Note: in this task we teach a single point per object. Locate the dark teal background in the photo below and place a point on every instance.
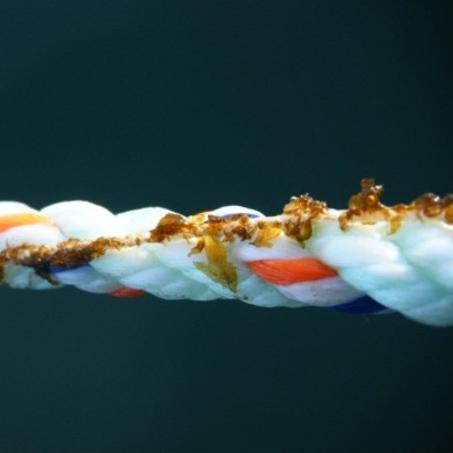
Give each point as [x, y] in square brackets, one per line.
[193, 105]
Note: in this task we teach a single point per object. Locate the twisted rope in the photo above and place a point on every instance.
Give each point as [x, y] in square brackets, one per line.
[369, 258]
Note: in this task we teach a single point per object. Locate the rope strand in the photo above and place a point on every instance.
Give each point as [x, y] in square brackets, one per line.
[369, 258]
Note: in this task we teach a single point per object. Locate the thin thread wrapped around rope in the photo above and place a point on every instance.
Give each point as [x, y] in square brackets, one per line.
[369, 258]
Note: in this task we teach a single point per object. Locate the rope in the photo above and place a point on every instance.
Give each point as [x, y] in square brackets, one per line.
[369, 258]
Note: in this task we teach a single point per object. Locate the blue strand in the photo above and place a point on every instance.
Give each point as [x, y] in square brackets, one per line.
[59, 269]
[250, 216]
[361, 306]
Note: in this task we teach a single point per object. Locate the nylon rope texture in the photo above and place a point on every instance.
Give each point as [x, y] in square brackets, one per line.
[366, 259]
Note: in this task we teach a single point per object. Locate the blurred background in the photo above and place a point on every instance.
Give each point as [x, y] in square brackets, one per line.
[192, 105]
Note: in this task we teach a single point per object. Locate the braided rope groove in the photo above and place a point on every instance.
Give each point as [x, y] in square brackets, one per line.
[366, 259]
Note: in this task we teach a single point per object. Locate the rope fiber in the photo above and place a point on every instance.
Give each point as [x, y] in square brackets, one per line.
[368, 258]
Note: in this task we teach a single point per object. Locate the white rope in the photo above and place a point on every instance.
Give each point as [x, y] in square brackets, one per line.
[367, 259]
